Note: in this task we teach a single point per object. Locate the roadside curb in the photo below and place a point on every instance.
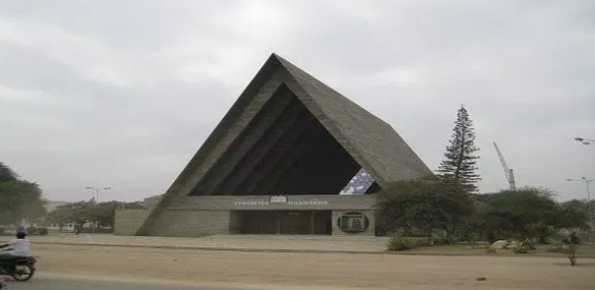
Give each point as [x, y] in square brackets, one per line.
[213, 248]
[507, 255]
[314, 251]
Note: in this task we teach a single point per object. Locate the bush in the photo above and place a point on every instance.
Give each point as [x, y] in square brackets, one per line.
[521, 250]
[572, 241]
[398, 243]
[572, 253]
[42, 231]
[442, 240]
[31, 230]
[524, 246]
[556, 249]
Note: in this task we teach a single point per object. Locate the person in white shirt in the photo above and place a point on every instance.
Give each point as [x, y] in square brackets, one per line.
[20, 247]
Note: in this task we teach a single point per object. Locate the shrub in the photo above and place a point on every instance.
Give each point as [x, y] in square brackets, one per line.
[442, 240]
[521, 250]
[31, 230]
[572, 241]
[556, 249]
[398, 243]
[42, 231]
[572, 253]
[424, 241]
[524, 246]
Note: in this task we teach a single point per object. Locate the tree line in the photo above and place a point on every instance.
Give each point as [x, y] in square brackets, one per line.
[448, 202]
[22, 201]
[84, 212]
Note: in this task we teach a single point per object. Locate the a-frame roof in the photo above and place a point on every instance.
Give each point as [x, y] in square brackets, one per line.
[371, 142]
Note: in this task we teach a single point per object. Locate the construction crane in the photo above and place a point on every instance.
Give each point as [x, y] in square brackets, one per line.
[507, 171]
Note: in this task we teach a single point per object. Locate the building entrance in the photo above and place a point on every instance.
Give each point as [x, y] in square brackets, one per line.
[286, 222]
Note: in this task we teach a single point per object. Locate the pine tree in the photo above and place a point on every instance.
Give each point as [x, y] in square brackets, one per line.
[460, 164]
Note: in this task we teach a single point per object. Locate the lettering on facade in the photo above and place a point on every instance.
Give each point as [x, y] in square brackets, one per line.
[251, 203]
[292, 203]
[308, 202]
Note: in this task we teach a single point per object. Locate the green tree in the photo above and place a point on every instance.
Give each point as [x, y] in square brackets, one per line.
[528, 213]
[104, 213]
[78, 213]
[573, 214]
[19, 200]
[84, 212]
[422, 206]
[6, 174]
[460, 163]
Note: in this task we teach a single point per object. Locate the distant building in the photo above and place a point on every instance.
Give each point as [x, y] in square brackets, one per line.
[291, 156]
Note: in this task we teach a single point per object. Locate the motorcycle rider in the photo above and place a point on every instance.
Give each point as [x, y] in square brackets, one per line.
[20, 247]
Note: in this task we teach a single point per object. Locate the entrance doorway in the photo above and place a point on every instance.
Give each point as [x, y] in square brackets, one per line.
[285, 222]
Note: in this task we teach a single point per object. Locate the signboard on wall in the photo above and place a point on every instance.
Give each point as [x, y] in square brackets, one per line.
[278, 199]
[353, 222]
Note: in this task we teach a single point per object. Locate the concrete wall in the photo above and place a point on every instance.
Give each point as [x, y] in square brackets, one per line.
[191, 223]
[127, 221]
[195, 216]
[368, 213]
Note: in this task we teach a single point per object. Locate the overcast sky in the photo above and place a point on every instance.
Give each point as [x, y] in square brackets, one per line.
[123, 93]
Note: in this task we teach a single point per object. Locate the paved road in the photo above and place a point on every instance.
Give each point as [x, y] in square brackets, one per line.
[47, 282]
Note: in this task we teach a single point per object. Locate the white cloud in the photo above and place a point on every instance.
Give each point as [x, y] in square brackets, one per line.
[142, 80]
[22, 96]
[92, 58]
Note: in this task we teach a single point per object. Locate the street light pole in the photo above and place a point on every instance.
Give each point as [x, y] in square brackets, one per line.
[587, 183]
[587, 141]
[588, 186]
[97, 189]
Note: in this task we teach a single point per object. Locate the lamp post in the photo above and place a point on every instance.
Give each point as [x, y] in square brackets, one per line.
[97, 189]
[587, 184]
[585, 141]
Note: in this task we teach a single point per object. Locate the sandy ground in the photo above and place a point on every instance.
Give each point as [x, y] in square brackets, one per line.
[383, 271]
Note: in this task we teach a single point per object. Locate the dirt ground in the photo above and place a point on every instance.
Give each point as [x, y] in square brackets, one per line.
[366, 271]
[584, 251]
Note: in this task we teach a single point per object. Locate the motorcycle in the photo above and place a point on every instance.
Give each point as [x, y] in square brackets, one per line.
[19, 268]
